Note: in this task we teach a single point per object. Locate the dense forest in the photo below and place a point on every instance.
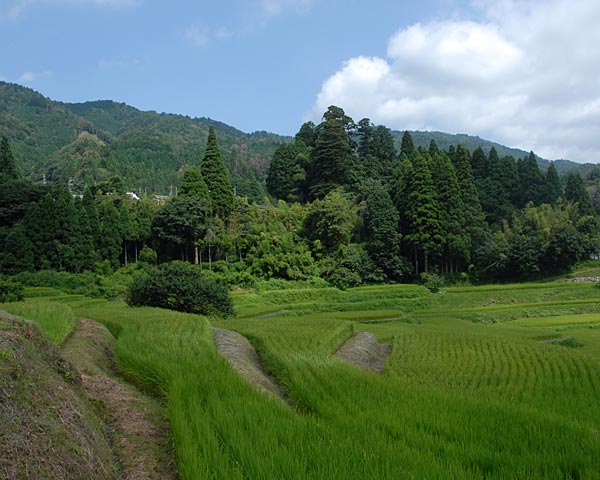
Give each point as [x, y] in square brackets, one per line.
[346, 207]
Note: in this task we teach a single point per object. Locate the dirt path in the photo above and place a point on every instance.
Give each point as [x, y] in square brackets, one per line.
[243, 358]
[365, 351]
[138, 432]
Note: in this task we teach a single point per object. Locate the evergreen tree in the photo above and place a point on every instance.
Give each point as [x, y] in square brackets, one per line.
[193, 184]
[307, 134]
[479, 164]
[111, 238]
[433, 148]
[93, 218]
[216, 177]
[532, 185]
[575, 192]
[474, 217]
[381, 221]
[553, 186]
[8, 167]
[423, 212]
[331, 160]
[452, 216]
[407, 147]
[286, 175]
[181, 225]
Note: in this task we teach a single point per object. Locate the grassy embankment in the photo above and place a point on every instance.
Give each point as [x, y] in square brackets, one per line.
[470, 390]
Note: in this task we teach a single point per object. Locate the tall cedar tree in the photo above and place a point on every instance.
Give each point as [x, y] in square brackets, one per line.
[532, 185]
[452, 215]
[553, 186]
[575, 192]
[193, 184]
[331, 160]
[423, 212]
[8, 167]
[473, 212]
[286, 174]
[407, 147]
[381, 224]
[216, 178]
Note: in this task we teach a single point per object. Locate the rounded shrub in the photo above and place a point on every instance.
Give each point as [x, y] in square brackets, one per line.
[179, 286]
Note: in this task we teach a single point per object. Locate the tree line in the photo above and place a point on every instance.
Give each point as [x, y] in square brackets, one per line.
[345, 206]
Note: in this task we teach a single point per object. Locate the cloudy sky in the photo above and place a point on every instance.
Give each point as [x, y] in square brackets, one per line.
[525, 73]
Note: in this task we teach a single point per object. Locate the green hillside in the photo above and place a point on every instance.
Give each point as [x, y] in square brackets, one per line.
[92, 141]
[470, 142]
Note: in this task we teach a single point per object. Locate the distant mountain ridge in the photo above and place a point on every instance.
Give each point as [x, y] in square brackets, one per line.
[92, 141]
[471, 142]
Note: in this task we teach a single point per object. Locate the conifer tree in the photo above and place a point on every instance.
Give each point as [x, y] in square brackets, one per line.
[8, 167]
[479, 164]
[474, 217]
[423, 212]
[452, 214]
[331, 161]
[407, 147]
[575, 192]
[553, 186]
[532, 185]
[193, 184]
[216, 177]
[381, 224]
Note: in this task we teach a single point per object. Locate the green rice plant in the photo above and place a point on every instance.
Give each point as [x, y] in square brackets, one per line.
[458, 399]
[54, 319]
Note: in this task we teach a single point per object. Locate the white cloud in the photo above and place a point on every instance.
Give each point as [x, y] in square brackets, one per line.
[106, 64]
[271, 8]
[527, 75]
[27, 77]
[197, 36]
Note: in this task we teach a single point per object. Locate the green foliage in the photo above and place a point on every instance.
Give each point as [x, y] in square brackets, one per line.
[331, 158]
[575, 192]
[148, 256]
[179, 286]
[330, 222]
[432, 281]
[287, 174]
[193, 184]
[216, 177]
[11, 292]
[8, 166]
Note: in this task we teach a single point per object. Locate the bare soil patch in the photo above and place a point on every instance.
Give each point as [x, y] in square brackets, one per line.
[138, 432]
[243, 358]
[363, 350]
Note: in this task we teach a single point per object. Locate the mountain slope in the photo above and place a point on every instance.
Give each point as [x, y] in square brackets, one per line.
[95, 140]
[470, 142]
[92, 141]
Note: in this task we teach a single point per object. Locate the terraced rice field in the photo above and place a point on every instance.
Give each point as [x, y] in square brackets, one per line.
[476, 385]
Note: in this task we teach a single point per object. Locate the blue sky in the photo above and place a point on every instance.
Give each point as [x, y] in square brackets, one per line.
[475, 66]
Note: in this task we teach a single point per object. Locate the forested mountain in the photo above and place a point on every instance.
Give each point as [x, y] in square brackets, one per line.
[471, 143]
[351, 207]
[92, 141]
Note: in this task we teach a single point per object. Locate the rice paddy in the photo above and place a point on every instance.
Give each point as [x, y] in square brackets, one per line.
[475, 387]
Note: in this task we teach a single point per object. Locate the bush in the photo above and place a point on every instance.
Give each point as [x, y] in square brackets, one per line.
[432, 281]
[11, 292]
[179, 286]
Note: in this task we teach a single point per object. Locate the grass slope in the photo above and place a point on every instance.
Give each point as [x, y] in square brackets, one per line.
[459, 399]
